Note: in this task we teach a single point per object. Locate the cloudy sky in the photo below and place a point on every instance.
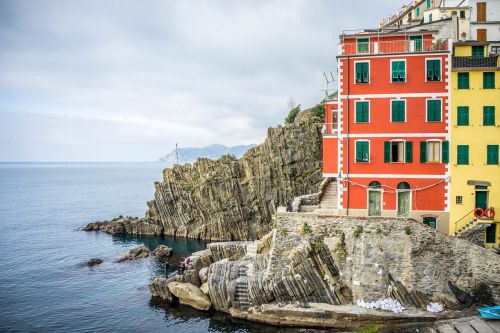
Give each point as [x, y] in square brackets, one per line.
[96, 80]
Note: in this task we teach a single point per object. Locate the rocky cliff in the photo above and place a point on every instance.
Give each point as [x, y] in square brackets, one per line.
[230, 198]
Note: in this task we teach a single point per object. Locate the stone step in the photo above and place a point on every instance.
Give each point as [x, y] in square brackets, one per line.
[463, 327]
[445, 328]
[480, 326]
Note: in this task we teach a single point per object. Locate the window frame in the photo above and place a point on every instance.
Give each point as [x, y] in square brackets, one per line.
[403, 143]
[493, 81]
[360, 62]
[356, 151]
[390, 72]
[485, 123]
[492, 162]
[356, 111]
[427, 110]
[466, 74]
[439, 143]
[459, 107]
[440, 70]
[357, 45]
[459, 200]
[405, 112]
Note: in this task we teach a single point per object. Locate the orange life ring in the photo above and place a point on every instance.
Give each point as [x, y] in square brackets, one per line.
[480, 211]
[490, 213]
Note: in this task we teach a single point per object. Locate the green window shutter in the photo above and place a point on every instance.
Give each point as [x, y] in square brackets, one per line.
[418, 11]
[434, 110]
[409, 152]
[362, 112]
[366, 72]
[488, 115]
[433, 70]
[462, 154]
[489, 80]
[462, 14]
[428, 4]
[492, 154]
[362, 72]
[362, 151]
[359, 153]
[398, 111]
[423, 151]
[398, 71]
[463, 80]
[491, 233]
[478, 51]
[363, 45]
[359, 72]
[463, 116]
[387, 151]
[445, 150]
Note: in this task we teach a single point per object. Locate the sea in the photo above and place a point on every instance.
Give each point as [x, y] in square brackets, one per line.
[44, 284]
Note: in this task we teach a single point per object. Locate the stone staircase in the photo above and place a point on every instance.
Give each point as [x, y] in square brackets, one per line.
[467, 325]
[241, 294]
[473, 231]
[252, 249]
[329, 200]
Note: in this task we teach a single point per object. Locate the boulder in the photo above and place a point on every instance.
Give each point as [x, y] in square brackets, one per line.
[162, 253]
[134, 253]
[190, 295]
[204, 288]
[203, 274]
[159, 289]
[93, 262]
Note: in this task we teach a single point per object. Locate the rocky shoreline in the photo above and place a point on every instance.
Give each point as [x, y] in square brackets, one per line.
[318, 278]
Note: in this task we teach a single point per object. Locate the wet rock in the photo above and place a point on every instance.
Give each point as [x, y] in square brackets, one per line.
[135, 253]
[159, 289]
[93, 262]
[190, 295]
[162, 253]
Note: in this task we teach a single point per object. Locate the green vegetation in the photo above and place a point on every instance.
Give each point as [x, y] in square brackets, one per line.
[408, 230]
[306, 228]
[292, 115]
[379, 231]
[369, 329]
[341, 247]
[358, 231]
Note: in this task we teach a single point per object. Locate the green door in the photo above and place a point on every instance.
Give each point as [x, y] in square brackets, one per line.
[430, 221]
[403, 203]
[482, 199]
[418, 42]
[374, 203]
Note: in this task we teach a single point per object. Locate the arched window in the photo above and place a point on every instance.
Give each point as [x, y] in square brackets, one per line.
[403, 186]
[374, 185]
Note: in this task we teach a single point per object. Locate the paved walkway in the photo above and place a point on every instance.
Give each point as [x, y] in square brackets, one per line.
[473, 324]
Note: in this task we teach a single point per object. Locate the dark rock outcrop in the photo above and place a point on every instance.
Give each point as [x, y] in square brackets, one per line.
[230, 198]
[162, 253]
[93, 262]
[135, 253]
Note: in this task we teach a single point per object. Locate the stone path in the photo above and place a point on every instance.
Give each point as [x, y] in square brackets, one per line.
[329, 197]
[241, 294]
[468, 325]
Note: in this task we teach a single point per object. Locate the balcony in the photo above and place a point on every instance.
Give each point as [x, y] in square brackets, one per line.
[475, 62]
[385, 47]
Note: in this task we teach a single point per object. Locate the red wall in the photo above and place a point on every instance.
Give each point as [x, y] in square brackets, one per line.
[330, 157]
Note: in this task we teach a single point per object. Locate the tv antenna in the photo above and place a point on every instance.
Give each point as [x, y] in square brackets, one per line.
[328, 79]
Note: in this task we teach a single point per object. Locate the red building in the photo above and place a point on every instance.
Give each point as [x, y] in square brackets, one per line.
[386, 137]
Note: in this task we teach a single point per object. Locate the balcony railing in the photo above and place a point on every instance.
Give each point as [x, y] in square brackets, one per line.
[470, 62]
[403, 46]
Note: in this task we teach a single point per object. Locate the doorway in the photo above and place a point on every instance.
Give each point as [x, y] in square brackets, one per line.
[374, 199]
[430, 221]
[404, 203]
[482, 199]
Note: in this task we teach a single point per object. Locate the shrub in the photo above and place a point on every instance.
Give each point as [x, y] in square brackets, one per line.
[292, 115]
[408, 230]
[306, 228]
[358, 231]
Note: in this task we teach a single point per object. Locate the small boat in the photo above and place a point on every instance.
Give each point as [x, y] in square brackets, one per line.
[492, 312]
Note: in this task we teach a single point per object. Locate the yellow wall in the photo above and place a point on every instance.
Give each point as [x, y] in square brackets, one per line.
[477, 137]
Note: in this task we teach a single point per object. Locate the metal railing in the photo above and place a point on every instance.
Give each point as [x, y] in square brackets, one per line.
[403, 46]
[468, 62]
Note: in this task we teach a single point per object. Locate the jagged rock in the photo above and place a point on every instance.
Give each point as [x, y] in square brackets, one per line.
[229, 198]
[190, 295]
[135, 253]
[162, 253]
[93, 262]
[159, 289]
[203, 274]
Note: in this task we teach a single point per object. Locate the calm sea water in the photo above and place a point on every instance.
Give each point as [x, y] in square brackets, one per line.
[43, 285]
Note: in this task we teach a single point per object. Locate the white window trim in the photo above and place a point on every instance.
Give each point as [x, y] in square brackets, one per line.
[404, 150]
[440, 66]
[369, 41]
[440, 150]
[427, 110]
[355, 110]
[381, 190]
[406, 71]
[397, 202]
[356, 150]
[369, 71]
[390, 116]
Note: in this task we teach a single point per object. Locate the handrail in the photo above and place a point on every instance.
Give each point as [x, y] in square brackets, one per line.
[460, 219]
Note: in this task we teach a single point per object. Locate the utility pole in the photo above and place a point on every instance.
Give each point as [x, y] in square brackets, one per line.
[176, 153]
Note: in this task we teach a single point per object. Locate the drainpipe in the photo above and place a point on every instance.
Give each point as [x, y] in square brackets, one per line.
[348, 130]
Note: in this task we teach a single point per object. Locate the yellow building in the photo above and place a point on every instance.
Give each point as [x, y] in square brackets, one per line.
[475, 139]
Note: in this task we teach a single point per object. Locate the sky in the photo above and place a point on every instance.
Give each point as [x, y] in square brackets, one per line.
[122, 80]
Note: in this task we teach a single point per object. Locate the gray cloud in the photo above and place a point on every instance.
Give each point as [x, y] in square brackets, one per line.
[125, 80]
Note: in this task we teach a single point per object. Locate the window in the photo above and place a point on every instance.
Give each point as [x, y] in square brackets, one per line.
[417, 43]
[481, 35]
[488, 116]
[489, 80]
[462, 154]
[362, 151]
[428, 4]
[398, 70]
[430, 17]
[491, 231]
[398, 111]
[463, 80]
[409, 16]
[481, 11]
[434, 151]
[362, 111]
[433, 110]
[418, 11]
[495, 50]
[492, 154]
[363, 45]
[463, 116]
[433, 69]
[362, 72]
[462, 14]
[459, 199]
[478, 51]
[398, 151]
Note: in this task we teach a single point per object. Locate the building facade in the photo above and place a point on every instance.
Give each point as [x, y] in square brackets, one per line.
[391, 140]
[475, 139]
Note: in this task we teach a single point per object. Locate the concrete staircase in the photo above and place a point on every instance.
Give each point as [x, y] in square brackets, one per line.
[241, 294]
[329, 201]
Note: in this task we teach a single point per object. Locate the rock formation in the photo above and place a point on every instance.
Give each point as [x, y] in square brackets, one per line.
[134, 253]
[190, 295]
[229, 198]
[162, 253]
[93, 262]
[316, 276]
